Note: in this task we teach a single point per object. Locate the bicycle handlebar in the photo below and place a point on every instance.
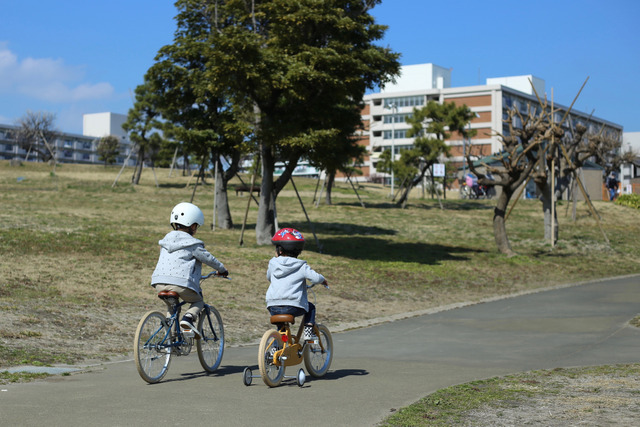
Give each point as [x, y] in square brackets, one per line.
[313, 284]
[215, 274]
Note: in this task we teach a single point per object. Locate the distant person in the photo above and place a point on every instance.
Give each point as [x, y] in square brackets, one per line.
[612, 185]
[288, 275]
[179, 267]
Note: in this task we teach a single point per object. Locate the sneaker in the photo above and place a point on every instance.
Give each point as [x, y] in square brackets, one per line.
[308, 334]
[187, 324]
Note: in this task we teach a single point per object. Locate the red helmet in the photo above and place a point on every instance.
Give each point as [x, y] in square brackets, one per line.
[290, 239]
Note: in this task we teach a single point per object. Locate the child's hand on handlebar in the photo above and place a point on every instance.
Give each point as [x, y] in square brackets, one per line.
[325, 284]
[224, 273]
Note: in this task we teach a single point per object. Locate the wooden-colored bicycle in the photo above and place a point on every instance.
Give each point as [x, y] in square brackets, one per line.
[279, 348]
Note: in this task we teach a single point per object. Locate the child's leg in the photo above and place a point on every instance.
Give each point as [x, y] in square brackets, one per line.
[196, 300]
[160, 288]
[310, 316]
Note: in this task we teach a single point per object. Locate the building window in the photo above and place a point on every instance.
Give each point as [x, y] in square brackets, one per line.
[399, 134]
[404, 101]
[508, 102]
[397, 118]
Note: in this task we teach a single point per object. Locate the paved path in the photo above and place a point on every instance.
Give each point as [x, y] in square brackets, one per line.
[374, 369]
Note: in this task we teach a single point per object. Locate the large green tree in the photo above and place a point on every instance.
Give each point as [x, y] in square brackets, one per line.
[108, 149]
[300, 62]
[143, 124]
[198, 114]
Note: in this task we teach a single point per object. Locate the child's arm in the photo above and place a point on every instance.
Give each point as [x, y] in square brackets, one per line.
[314, 277]
[202, 255]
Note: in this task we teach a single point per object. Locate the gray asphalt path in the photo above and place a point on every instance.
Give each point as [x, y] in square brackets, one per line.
[374, 370]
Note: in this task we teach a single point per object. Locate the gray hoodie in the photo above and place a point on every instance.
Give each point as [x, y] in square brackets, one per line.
[180, 261]
[288, 282]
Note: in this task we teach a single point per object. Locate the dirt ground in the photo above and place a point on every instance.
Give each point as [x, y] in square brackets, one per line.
[589, 400]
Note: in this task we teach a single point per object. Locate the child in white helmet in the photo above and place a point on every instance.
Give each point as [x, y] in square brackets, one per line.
[180, 263]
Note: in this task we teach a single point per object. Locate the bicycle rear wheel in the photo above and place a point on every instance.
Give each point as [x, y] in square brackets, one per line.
[317, 360]
[271, 373]
[151, 347]
[211, 345]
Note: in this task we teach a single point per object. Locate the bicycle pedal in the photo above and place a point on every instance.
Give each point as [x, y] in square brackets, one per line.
[188, 333]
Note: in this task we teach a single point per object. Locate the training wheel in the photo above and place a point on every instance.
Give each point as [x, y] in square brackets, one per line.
[247, 376]
[301, 378]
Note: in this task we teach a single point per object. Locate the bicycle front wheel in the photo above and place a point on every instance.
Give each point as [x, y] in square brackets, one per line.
[318, 359]
[152, 347]
[211, 345]
[271, 373]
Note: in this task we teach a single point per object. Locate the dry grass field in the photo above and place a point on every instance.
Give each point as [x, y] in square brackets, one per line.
[77, 255]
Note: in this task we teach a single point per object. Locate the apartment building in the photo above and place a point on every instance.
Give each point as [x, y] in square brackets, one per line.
[385, 112]
[75, 148]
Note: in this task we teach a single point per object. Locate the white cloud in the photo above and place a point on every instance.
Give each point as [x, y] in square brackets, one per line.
[47, 79]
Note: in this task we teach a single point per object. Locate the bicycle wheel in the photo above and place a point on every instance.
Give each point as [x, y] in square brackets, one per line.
[270, 343]
[464, 192]
[151, 347]
[211, 345]
[316, 360]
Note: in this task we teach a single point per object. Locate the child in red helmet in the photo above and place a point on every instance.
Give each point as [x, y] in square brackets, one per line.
[287, 293]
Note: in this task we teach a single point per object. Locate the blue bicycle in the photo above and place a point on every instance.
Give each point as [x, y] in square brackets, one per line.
[159, 337]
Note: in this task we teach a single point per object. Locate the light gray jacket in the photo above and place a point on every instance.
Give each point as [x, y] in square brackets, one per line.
[180, 261]
[288, 282]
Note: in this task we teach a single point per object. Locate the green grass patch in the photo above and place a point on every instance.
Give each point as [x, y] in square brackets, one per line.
[7, 377]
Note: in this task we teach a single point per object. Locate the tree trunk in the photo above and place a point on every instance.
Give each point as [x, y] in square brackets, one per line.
[265, 225]
[135, 179]
[499, 223]
[405, 192]
[331, 176]
[222, 201]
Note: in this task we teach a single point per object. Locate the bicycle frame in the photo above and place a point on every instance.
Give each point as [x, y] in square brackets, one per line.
[292, 352]
[172, 325]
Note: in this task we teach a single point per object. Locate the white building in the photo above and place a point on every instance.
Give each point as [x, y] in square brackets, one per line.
[75, 148]
[385, 112]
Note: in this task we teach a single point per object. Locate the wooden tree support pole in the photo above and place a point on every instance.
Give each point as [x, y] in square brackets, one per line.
[215, 193]
[586, 196]
[250, 192]
[316, 191]
[324, 182]
[122, 168]
[173, 162]
[553, 176]
[305, 214]
[515, 201]
[356, 191]
[246, 212]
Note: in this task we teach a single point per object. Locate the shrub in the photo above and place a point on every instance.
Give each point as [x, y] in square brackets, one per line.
[631, 200]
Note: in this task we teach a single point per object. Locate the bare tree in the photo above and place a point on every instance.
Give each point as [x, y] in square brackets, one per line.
[36, 133]
[521, 144]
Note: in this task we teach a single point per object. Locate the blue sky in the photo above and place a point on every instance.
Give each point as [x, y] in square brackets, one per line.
[73, 57]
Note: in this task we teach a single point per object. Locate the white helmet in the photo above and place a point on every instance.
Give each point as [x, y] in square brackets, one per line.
[186, 214]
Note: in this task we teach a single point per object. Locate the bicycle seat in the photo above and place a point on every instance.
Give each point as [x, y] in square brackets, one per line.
[168, 294]
[282, 318]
